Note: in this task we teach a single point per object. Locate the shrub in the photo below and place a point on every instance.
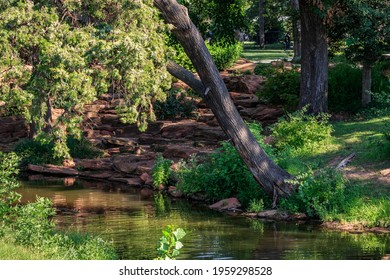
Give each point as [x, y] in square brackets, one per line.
[379, 106]
[8, 183]
[345, 88]
[256, 205]
[41, 150]
[265, 69]
[161, 171]
[221, 175]
[320, 195]
[282, 88]
[31, 225]
[175, 106]
[302, 132]
[381, 77]
[224, 54]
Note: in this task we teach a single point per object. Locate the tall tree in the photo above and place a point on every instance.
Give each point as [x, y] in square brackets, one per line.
[314, 62]
[366, 30]
[213, 90]
[261, 24]
[61, 54]
[296, 23]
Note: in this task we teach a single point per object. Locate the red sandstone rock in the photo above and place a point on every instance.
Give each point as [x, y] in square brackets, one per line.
[226, 204]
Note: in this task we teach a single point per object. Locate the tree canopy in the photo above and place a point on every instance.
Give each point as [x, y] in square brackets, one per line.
[62, 54]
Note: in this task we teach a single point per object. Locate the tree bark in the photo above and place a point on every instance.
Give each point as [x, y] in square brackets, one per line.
[269, 176]
[261, 24]
[366, 85]
[296, 23]
[314, 62]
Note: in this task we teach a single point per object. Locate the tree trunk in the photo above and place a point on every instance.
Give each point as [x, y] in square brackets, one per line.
[48, 115]
[270, 176]
[296, 23]
[366, 85]
[261, 24]
[314, 66]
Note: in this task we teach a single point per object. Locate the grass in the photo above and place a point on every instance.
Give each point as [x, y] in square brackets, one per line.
[270, 52]
[9, 251]
[363, 137]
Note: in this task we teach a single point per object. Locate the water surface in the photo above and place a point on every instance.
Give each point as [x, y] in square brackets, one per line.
[134, 223]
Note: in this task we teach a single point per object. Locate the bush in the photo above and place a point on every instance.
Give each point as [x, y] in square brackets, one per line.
[224, 54]
[381, 77]
[320, 195]
[8, 183]
[175, 106]
[266, 70]
[31, 225]
[161, 171]
[345, 88]
[379, 106]
[41, 150]
[221, 175]
[282, 88]
[302, 132]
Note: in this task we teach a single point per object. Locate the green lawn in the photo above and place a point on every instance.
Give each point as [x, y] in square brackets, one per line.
[270, 52]
[364, 138]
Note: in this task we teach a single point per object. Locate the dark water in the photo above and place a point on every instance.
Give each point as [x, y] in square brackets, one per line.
[134, 224]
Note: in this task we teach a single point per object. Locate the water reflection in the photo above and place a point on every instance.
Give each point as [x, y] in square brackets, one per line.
[134, 223]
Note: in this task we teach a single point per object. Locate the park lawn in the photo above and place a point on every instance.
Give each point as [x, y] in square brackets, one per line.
[270, 52]
[364, 138]
[265, 55]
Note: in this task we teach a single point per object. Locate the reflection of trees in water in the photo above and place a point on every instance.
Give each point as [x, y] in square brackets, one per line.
[298, 243]
[134, 225]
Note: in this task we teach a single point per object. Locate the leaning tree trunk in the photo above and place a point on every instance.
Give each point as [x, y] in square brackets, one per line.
[314, 62]
[213, 90]
[261, 24]
[366, 85]
[296, 23]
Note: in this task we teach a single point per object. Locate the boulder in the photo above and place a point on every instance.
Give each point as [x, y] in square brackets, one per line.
[249, 84]
[94, 164]
[146, 178]
[53, 169]
[244, 100]
[229, 204]
[174, 192]
[146, 193]
[179, 151]
[132, 182]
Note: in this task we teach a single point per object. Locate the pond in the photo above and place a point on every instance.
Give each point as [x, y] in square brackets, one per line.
[133, 221]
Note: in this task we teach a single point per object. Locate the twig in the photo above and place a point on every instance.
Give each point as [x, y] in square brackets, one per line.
[345, 161]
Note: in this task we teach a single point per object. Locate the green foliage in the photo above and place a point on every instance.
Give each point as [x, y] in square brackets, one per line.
[302, 132]
[161, 171]
[319, 195]
[42, 150]
[170, 243]
[175, 106]
[265, 69]
[8, 169]
[282, 88]
[221, 175]
[224, 53]
[220, 18]
[256, 206]
[345, 90]
[61, 55]
[31, 225]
